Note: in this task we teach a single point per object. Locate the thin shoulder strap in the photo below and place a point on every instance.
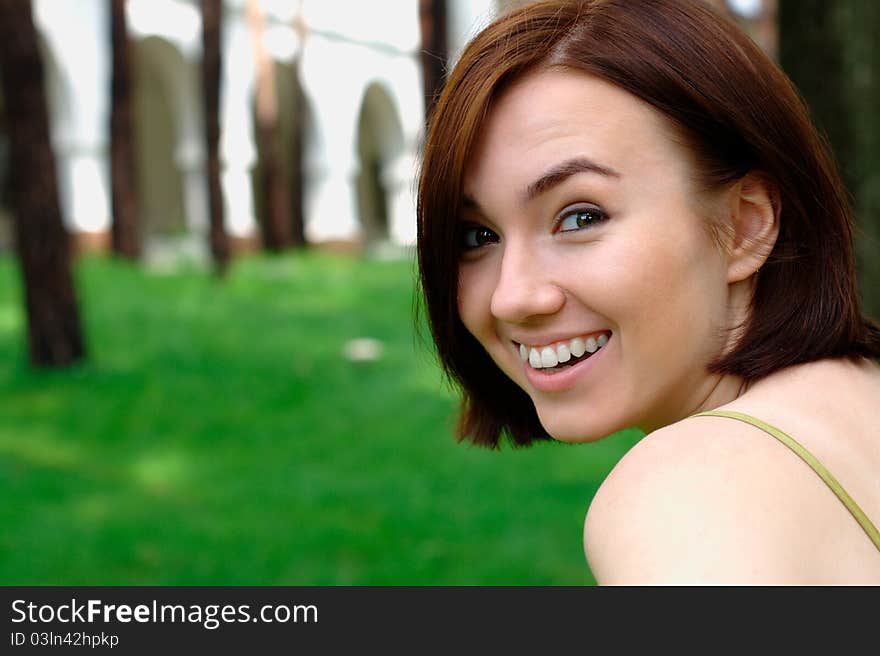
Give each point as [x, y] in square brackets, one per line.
[807, 457]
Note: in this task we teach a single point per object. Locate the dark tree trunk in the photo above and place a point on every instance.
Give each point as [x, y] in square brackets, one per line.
[297, 212]
[811, 52]
[54, 334]
[432, 15]
[861, 24]
[125, 231]
[830, 51]
[211, 27]
[275, 201]
[275, 222]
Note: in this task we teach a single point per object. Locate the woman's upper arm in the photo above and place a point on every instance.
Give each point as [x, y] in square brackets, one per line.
[682, 508]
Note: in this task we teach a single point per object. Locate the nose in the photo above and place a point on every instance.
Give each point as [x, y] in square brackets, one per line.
[524, 289]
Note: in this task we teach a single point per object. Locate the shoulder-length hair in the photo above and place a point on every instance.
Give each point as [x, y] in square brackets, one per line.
[734, 109]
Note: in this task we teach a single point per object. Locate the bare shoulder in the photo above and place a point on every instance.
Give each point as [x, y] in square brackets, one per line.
[699, 501]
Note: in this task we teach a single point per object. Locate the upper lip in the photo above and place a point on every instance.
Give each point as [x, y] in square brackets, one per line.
[545, 339]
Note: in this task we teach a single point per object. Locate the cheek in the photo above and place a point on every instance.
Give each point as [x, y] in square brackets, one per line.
[474, 300]
[661, 290]
[658, 319]
[476, 286]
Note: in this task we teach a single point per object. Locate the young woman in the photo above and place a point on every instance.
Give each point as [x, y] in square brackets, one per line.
[626, 219]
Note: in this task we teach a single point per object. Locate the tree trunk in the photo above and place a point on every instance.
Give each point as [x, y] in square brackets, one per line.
[810, 51]
[861, 24]
[211, 26]
[432, 15]
[54, 334]
[829, 49]
[297, 211]
[125, 231]
[276, 223]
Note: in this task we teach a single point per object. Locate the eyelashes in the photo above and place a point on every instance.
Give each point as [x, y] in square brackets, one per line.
[571, 219]
[476, 236]
[580, 218]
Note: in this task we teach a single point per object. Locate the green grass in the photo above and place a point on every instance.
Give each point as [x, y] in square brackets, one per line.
[217, 436]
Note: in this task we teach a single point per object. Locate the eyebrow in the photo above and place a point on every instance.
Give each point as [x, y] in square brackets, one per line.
[560, 172]
[553, 176]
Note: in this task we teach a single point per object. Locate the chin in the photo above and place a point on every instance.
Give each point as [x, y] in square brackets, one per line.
[575, 431]
[579, 422]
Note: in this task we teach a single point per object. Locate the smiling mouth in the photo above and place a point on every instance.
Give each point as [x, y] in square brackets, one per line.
[559, 356]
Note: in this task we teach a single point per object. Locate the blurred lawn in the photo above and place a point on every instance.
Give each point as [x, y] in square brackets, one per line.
[217, 436]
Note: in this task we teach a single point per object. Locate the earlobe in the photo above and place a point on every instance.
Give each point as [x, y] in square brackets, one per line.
[754, 218]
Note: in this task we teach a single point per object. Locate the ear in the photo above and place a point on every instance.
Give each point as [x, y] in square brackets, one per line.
[754, 216]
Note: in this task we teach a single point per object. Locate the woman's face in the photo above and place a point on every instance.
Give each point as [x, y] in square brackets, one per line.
[583, 238]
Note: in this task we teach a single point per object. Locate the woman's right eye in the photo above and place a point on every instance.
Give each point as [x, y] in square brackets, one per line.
[474, 236]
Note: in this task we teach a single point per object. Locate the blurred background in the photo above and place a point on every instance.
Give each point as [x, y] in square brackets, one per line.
[211, 371]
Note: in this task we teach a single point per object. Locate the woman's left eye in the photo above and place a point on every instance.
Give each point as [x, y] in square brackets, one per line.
[579, 218]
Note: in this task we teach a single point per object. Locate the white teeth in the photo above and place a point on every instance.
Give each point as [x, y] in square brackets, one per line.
[535, 359]
[550, 356]
[563, 354]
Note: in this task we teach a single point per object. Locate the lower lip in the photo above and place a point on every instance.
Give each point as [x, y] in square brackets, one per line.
[564, 379]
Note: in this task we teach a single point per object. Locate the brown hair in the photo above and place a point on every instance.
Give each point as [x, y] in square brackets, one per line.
[735, 110]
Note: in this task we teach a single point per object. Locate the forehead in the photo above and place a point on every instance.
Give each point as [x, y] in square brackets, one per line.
[552, 115]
